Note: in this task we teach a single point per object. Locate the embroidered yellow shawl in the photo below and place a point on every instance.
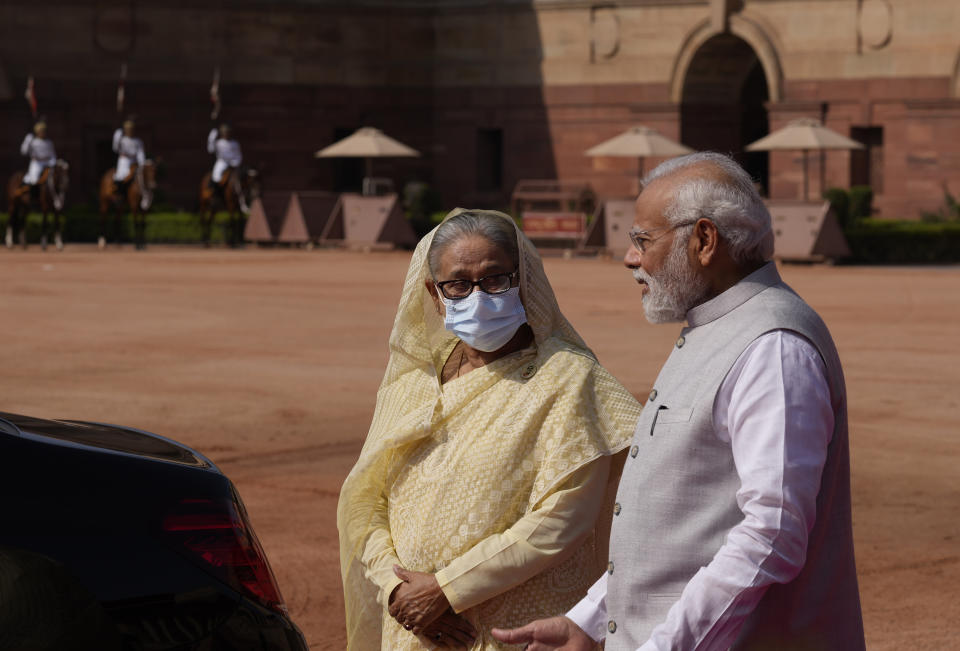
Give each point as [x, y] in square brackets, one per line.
[458, 462]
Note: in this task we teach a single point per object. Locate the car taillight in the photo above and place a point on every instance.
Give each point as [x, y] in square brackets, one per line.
[219, 535]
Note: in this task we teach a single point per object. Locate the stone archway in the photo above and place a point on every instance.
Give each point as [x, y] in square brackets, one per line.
[741, 26]
[723, 102]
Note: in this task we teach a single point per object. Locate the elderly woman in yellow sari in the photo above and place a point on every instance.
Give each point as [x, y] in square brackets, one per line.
[482, 495]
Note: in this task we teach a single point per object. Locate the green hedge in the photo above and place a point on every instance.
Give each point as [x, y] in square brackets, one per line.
[850, 206]
[888, 241]
[840, 201]
[162, 227]
[861, 203]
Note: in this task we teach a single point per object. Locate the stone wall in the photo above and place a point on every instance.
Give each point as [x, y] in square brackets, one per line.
[551, 77]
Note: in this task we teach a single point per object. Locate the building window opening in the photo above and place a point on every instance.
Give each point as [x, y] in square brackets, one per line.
[866, 165]
[348, 173]
[489, 160]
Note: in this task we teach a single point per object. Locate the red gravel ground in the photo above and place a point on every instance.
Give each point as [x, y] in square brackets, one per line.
[268, 362]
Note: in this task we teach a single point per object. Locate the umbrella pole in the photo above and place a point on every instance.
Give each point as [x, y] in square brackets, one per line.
[823, 171]
[367, 177]
[806, 183]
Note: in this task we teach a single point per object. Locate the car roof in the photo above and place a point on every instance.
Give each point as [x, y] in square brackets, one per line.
[108, 438]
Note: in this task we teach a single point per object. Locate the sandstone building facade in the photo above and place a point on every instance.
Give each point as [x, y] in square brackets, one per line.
[494, 91]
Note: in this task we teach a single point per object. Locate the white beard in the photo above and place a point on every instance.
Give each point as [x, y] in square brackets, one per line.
[675, 289]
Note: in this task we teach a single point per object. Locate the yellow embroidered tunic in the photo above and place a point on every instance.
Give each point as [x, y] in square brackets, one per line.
[499, 482]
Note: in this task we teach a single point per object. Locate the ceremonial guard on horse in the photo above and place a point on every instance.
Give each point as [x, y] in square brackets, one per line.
[131, 182]
[229, 158]
[227, 182]
[130, 155]
[45, 181]
[42, 154]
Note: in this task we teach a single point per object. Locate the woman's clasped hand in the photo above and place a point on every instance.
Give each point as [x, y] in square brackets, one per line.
[419, 605]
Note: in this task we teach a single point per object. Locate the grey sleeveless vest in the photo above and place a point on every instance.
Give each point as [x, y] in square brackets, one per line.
[677, 496]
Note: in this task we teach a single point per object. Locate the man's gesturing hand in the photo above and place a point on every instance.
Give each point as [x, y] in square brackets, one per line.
[418, 601]
[553, 634]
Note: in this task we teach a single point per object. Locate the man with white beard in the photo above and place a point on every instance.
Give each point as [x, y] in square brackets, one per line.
[732, 526]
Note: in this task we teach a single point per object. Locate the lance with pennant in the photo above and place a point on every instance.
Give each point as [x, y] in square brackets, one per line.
[121, 90]
[215, 94]
[31, 97]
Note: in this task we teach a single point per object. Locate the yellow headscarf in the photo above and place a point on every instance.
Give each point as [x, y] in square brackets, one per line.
[410, 400]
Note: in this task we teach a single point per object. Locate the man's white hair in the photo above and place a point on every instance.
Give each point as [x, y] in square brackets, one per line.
[728, 199]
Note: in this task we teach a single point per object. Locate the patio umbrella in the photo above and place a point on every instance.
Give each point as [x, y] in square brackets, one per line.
[804, 134]
[639, 142]
[367, 143]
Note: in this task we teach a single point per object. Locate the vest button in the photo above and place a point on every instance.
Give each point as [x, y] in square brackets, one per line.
[680, 342]
[653, 395]
[634, 451]
[610, 567]
[616, 508]
[612, 626]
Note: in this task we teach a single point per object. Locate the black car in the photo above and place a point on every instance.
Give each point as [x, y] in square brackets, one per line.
[113, 538]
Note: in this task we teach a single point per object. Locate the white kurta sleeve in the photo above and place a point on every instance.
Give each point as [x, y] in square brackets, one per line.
[774, 409]
[25, 147]
[117, 136]
[590, 613]
[141, 155]
[212, 141]
[532, 544]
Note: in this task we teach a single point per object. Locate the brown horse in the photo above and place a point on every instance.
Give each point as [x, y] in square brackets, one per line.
[235, 192]
[49, 193]
[136, 192]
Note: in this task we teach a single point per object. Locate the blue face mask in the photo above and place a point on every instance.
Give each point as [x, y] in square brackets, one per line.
[485, 321]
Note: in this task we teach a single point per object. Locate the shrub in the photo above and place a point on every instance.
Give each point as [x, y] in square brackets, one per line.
[861, 203]
[840, 201]
[82, 225]
[422, 204]
[888, 241]
[949, 211]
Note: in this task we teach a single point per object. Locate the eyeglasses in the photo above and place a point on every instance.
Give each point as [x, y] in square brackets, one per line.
[641, 239]
[493, 284]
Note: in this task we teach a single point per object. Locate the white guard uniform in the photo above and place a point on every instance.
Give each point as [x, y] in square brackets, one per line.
[227, 151]
[129, 150]
[42, 155]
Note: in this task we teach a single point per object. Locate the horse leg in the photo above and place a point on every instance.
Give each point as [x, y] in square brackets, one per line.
[139, 227]
[21, 228]
[43, 230]
[137, 217]
[208, 226]
[211, 219]
[236, 222]
[206, 221]
[118, 224]
[101, 238]
[135, 225]
[228, 228]
[57, 225]
[11, 223]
